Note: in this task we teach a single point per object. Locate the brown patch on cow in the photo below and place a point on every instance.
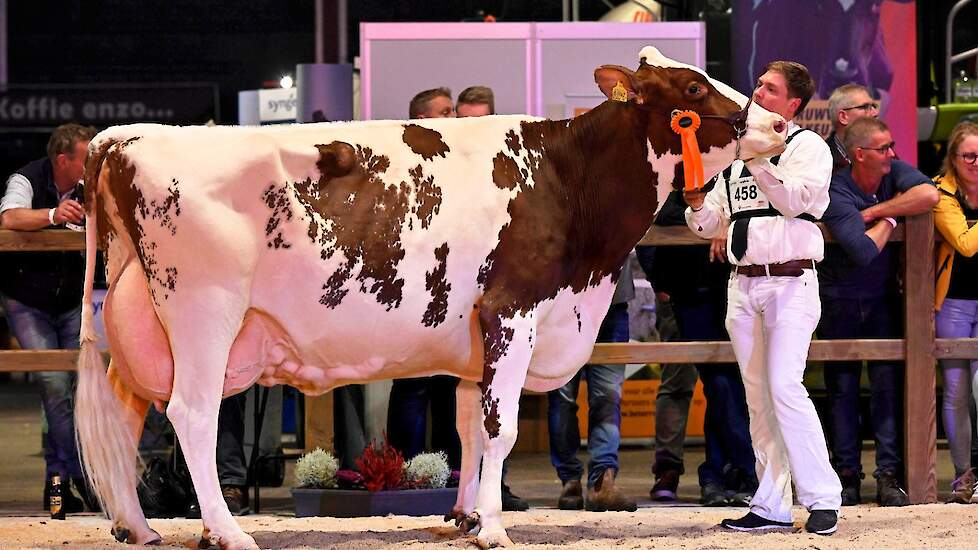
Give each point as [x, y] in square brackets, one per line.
[506, 174]
[424, 141]
[134, 211]
[513, 142]
[582, 214]
[439, 287]
[578, 315]
[352, 209]
[496, 339]
[427, 196]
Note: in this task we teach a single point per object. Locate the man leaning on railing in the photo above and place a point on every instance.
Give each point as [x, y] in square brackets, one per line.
[41, 291]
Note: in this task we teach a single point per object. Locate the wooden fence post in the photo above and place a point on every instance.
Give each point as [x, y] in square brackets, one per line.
[920, 415]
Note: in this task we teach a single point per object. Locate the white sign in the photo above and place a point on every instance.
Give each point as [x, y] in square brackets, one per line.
[276, 105]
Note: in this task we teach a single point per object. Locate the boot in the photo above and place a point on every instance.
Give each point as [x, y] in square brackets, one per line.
[511, 502]
[605, 497]
[851, 481]
[571, 496]
[889, 492]
[963, 488]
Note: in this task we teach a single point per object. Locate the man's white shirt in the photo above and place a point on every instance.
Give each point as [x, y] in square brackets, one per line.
[798, 184]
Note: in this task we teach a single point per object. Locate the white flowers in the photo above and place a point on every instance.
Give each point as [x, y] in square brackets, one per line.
[317, 470]
[427, 471]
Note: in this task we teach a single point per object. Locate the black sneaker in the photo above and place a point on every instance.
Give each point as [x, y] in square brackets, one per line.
[889, 492]
[822, 522]
[712, 494]
[754, 522]
[851, 481]
[511, 502]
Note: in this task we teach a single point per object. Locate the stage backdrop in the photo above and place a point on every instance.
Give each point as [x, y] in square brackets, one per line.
[869, 42]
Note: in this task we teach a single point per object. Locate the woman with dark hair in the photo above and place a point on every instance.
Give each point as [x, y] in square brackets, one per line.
[957, 297]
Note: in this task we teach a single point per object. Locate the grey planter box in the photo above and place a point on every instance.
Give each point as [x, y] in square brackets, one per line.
[341, 503]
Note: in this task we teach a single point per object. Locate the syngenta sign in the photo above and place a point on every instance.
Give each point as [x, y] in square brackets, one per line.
[276, 105]
[51, 105]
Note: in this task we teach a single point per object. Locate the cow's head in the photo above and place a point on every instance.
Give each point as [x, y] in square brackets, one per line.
[662, 85]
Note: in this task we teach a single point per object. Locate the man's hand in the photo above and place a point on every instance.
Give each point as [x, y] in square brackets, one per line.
[69, 211]
[718, 249]
[694, 199]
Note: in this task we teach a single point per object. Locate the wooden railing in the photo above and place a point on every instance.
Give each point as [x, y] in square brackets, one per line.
[919, 349]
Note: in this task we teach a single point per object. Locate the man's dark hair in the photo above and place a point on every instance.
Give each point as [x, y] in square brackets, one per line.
[419, 103]
[65, 137]
[800, 82]
[478, 95]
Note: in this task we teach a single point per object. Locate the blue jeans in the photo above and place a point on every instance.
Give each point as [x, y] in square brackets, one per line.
[863, 318]
[38, 329]
[604, 410]
[958, 319]
[726, 424]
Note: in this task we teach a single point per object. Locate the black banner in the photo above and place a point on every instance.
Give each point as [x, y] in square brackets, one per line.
[47, 106]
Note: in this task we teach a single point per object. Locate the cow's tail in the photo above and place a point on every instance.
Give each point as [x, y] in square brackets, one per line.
[107, 445]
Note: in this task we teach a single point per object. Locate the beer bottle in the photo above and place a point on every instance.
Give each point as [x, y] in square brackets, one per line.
[54, 498]
[79, 195]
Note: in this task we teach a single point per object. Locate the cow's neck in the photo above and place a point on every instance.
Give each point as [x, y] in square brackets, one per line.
[602, 158]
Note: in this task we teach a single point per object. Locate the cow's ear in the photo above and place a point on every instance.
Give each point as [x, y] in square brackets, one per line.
[608, 76]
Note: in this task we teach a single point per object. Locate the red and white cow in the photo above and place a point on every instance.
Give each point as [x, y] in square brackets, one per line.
[326, 254]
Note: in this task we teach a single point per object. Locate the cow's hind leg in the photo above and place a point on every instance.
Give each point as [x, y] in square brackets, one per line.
[469, 421]
[508, 346]
[201, 347]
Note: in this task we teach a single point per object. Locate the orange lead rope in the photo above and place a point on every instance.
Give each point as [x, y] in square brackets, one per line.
[685, 123]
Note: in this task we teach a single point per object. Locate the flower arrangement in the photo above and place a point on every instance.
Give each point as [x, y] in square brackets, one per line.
[380, 468]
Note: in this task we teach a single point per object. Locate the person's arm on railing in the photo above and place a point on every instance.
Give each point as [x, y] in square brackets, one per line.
[16, 212]
[918, 194]
[844, 221]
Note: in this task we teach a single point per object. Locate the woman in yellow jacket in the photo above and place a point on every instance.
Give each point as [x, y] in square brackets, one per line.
[957, 297]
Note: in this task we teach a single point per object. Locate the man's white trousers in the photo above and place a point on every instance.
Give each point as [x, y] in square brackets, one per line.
[770, 321]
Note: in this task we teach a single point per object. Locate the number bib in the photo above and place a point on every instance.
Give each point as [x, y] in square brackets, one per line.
[745, 195]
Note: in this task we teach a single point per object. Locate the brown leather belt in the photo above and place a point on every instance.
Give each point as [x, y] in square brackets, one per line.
[794, 268]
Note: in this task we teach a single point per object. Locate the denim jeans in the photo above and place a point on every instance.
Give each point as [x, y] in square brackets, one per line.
[38, 329]
[604, 384]
[864, 318]
[958, 319]
[726, 431]
[232, 467]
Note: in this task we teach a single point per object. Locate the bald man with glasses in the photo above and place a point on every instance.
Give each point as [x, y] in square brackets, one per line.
[861, 299]
[847, 104]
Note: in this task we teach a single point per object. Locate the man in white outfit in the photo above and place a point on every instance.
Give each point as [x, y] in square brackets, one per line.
[768, 208]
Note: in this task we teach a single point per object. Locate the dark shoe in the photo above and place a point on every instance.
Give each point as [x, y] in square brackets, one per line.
[86, 494]
[741, 485]
[511, 502]
[236, 499]
[605, 497]
[889, 492]
[963, 488]
[571, 496]
[712, 494]
[851, 482]
[822, 522]
[754, 522]
[666, 484]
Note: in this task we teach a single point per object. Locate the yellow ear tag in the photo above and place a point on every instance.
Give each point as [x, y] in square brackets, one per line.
[619, 93]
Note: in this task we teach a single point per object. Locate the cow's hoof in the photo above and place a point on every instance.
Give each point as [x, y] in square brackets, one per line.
[240, 542]
[469, 522]
[121, 534]
[495, 538]
[456, 515]
[149, 538]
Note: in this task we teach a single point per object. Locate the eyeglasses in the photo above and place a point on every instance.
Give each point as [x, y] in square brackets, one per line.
[889, 146]
[969, 158]
[864, 107]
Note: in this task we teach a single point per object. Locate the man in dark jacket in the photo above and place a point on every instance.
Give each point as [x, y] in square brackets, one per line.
[41, 291]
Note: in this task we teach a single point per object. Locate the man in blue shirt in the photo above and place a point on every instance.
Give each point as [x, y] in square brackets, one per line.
[861, 299]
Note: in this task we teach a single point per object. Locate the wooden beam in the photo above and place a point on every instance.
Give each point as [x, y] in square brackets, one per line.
[721, 352]
[660, 235]
[920, 412]
[38, 360]
[956, 348]
[41, 241]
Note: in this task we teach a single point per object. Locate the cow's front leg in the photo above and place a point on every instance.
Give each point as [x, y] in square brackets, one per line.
[508, 346]
[468, 419]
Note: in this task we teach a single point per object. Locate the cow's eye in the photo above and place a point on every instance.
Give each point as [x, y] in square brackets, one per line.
[695, 89]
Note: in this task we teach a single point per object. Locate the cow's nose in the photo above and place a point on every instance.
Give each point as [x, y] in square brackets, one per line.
[779, 126]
